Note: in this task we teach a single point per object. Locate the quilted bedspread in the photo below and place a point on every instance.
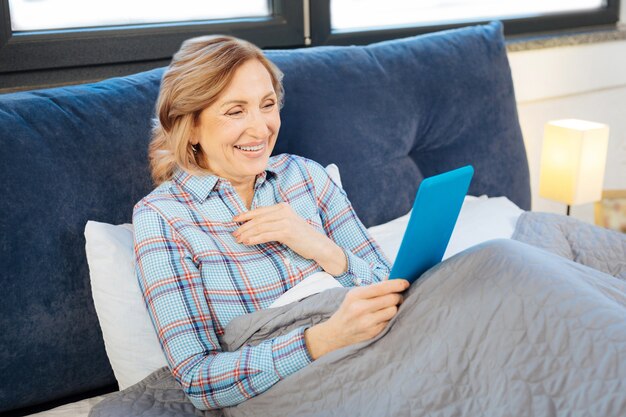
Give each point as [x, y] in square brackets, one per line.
[602, 249]
[501, 329]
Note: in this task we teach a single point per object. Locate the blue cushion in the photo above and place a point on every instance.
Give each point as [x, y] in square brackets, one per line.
[387, 114]
[68, 155]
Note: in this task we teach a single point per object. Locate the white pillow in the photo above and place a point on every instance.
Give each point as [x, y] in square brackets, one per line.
[333, 172]
[129, 338]
[481, 219]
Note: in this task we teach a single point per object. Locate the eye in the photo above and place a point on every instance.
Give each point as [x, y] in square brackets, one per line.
[234, 112]
[269, 105]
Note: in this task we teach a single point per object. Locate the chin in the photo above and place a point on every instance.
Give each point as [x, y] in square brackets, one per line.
[254, 167]
[259, 166]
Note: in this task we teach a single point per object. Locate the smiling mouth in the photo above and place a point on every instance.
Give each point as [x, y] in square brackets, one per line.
[255, 148]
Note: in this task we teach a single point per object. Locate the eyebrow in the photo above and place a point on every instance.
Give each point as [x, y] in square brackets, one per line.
[271, 93]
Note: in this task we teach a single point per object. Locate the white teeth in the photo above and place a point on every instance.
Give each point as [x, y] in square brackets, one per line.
[250, 148]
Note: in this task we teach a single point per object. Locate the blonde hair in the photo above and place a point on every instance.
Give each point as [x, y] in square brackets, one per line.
[199, 72]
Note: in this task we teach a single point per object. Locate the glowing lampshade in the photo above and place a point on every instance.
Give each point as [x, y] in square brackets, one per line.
[573, 161]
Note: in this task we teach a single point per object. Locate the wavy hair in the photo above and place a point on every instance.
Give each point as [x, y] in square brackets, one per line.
[199, 72]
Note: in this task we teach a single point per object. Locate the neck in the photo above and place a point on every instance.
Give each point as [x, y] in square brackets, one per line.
[244, 186]
[245, 190]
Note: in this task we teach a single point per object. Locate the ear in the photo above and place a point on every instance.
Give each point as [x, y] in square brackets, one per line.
[194, 131]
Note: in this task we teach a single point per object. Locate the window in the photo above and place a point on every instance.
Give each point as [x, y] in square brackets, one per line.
[349, 15]
[29, 15]
[341, 22]
[51, 42]
[44, 42]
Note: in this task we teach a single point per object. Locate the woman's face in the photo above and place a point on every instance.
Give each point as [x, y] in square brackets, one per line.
[238, 132]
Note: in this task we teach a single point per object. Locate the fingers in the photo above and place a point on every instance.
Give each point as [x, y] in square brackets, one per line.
[250, 214]
[382, 288]
[258, 232]
[385, 301]
[359, 318]
[258, 218]
[257, 239]
[363, 307]
[261, 220]
[384, 315]
[371, 309]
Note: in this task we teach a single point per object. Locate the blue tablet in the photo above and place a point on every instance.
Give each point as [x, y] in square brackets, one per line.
[435, 211]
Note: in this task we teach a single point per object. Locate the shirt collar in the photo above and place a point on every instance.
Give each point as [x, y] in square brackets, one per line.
[201, 186]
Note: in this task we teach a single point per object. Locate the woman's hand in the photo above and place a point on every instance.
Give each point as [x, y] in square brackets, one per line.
[280, 223]
[363, 314]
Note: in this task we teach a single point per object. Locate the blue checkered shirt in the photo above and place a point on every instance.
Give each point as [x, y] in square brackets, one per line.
[195, 277]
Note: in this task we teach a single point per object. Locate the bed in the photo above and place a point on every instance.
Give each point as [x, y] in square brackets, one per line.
[387, 115]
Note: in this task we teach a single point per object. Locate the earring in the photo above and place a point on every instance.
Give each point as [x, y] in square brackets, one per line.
[194, 149]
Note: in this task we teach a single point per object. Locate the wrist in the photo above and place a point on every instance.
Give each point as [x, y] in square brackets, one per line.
[318, 341]
[332, 258]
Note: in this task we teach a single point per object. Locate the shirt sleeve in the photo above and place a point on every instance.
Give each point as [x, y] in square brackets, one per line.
[366, 261]
[173, 291]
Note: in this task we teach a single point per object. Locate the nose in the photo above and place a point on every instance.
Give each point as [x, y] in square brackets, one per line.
[258, 124]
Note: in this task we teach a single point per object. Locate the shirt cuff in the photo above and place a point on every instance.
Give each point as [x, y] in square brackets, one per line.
[358, 273]
[290, 352]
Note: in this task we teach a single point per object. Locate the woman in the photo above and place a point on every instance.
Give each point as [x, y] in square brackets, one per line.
[230, 229]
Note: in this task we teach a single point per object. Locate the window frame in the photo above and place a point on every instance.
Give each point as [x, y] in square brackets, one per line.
[50, 58]
[322, 33]
[115, 45]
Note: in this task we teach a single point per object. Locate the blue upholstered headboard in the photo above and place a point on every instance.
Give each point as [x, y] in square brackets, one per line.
[387, 114]
[394, 112]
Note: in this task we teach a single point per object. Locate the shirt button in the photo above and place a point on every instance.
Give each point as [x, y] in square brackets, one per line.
[357, 281]
[287, 261]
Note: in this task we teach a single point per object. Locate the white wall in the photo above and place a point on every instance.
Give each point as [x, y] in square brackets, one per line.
[585, 82]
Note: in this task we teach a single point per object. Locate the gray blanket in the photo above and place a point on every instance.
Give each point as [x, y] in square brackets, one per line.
[602, 249]
[503, 328]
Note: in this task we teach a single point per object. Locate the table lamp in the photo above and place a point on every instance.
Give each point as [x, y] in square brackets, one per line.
[573, 161]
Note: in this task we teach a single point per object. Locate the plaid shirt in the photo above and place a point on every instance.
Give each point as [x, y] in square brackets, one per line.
[196, 278]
